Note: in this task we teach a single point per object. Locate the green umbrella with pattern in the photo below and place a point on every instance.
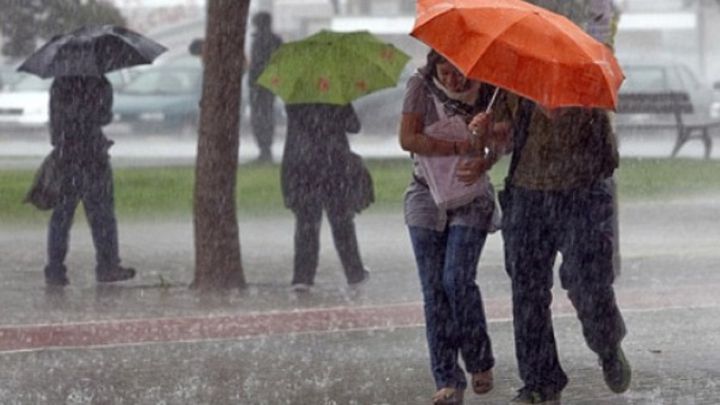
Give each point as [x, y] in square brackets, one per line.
[332, 68]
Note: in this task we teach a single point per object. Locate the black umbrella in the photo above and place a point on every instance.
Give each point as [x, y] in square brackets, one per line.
[91, 51]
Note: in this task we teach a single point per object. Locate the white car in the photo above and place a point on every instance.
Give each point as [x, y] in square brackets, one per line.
[24, 106]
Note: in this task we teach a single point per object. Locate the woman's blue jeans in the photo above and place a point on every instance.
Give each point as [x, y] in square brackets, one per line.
[454, 314]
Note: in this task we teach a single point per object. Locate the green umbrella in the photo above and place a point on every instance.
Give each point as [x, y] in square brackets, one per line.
[332, 68]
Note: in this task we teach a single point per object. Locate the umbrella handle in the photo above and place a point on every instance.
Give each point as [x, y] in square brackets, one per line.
[489, 107]
[486, 150]
[492, 100]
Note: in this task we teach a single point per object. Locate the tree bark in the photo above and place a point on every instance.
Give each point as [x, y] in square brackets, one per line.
[218, 263]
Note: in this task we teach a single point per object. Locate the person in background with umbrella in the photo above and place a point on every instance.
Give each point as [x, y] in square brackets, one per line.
[320, 173]
[318, 77]
[79, 107]
[262, 119]
[81, 100]
[448, 242]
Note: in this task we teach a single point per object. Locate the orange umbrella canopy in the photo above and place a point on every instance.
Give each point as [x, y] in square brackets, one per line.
[523, 48]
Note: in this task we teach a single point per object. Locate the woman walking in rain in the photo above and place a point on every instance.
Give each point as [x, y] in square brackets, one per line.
[447, 240]
[320, 173]
[79, 107]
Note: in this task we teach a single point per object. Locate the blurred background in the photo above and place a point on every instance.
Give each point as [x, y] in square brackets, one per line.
[668, 209]
[662, 44]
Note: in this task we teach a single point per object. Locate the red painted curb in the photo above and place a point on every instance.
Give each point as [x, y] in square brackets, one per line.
[240, 326]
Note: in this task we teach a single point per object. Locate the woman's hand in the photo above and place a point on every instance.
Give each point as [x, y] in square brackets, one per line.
[481, 127]
[472, 169]
[500, 141]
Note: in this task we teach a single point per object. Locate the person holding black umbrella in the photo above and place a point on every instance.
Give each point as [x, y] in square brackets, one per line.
[79, 107]
[81, 100]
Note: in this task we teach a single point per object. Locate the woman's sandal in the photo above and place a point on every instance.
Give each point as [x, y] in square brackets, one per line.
[482, 382]
[448, 396]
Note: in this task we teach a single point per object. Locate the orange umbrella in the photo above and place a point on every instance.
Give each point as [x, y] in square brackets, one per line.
[523, 48]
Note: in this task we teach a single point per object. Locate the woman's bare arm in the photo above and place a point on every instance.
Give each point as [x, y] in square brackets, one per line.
[413, 140]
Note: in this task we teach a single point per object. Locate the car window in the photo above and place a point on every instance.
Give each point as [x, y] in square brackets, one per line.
[641, 78]
[675, 82]
[9, 77]
[117, 79]
[164, 82]
[688, 78]
[31, 83]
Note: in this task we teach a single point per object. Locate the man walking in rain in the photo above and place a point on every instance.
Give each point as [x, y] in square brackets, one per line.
[262, 119]
[558, 199]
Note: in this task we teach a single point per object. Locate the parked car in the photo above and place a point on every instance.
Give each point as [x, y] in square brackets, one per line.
[658, 77]
[24, 105]
[380, 112]
[9, 76]
[160, 99]
[165, 99]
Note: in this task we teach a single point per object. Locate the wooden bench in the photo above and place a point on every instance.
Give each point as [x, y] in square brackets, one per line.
[676, 103]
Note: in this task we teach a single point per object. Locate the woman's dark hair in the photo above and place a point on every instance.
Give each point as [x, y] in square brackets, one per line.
[429, 71]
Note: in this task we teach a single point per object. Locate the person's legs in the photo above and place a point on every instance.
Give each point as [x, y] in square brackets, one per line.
[529, 236]
[464, 246]
[587, 273]
[58, 240]
[430, 251]
[307, 243]
[343, 231]
[99, 203]
[262, 120]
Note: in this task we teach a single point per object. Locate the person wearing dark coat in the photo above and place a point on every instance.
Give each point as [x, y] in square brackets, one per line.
[262, 119]
[79, 108]
[320, 173]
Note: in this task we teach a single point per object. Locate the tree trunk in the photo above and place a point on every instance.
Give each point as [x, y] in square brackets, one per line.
[218, 263]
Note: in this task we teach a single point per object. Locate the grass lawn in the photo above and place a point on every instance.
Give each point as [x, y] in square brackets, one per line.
[167, 191]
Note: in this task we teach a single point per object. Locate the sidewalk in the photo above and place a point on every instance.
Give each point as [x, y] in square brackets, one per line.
[151, 341]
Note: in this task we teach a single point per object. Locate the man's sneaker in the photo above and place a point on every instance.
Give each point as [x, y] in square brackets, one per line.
[117, 273]
[300, 287]
[60, 280]
[616, 371]
[56, 276]
[529, 396]
[362, 281]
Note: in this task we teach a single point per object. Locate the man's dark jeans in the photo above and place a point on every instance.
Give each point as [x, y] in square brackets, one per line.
[95, 189]
[578, 224]
[454, 314]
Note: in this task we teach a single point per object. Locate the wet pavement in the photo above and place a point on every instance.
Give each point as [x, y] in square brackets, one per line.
[154, 341]
[377, 366]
